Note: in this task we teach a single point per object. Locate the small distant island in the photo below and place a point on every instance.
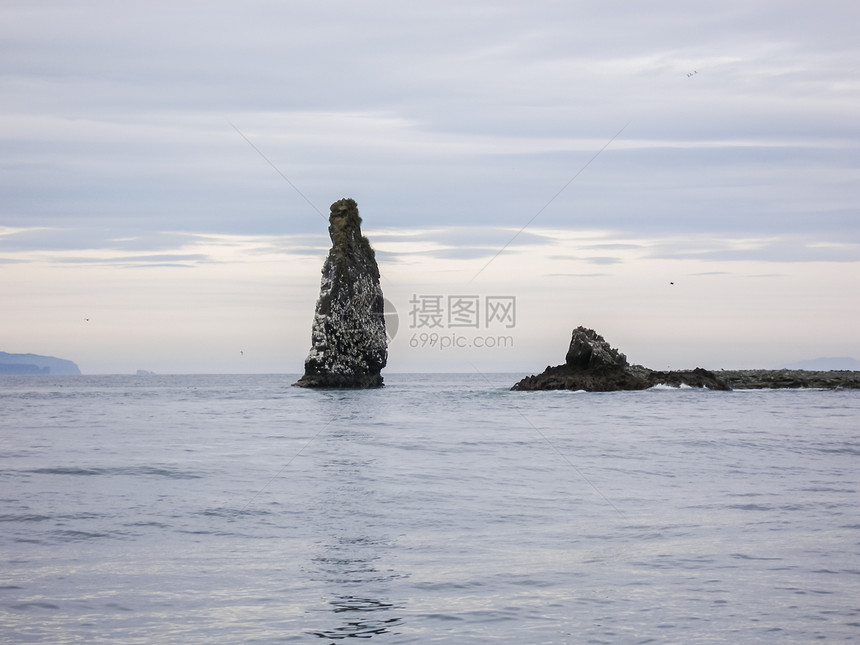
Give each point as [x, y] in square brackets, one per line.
[35, 364]
[591, 364]
[826, 364]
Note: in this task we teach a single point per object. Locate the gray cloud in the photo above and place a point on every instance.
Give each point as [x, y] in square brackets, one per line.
[158, 260]
[116, 120]
[603, 260]
[577, 275]
[793, 249]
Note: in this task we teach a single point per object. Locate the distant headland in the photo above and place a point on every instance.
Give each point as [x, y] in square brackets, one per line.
[35, 364]
[592, 365]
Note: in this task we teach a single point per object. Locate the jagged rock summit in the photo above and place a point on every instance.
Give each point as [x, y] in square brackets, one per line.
[592, 365]
[349, 344]
[589, 351]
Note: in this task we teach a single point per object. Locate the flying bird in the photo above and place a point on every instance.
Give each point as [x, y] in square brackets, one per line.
[691, 73]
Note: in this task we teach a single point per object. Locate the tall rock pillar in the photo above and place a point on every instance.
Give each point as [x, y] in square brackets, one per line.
[349, 345]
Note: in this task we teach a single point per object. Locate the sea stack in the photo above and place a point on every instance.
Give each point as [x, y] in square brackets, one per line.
[349, 344]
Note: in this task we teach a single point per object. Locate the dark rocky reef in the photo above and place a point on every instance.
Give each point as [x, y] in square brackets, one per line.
[790, 379]
[592, 365]
[349, 345]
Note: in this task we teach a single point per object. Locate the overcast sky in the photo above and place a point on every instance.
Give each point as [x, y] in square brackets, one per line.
[131, 197]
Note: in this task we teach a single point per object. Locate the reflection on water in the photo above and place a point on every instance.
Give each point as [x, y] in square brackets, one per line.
[362, 620]
[350, 564]
[351, 561]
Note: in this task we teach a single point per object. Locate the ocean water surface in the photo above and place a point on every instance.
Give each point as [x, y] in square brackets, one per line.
[439, 509]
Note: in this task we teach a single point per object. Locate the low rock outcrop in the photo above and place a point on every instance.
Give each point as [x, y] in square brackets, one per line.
[349, 345]
[791, 379]
[592, 365]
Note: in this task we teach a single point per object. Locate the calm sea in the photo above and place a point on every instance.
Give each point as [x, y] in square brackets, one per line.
[439, 509]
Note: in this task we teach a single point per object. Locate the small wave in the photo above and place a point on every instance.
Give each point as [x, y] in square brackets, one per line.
[681, 386]
[442, 617]
[63, 470]
[24, 606]
[145, 524]
[233, 513]
[360, 620]
[26, 517]
[135, 471]
[169, 473]
[744, 556]
[117, 607]
[69, 535]
[842, 450]
[750, 507]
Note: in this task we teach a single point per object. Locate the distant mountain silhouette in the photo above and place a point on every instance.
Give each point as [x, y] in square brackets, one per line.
[825, 364]
[35, 364]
